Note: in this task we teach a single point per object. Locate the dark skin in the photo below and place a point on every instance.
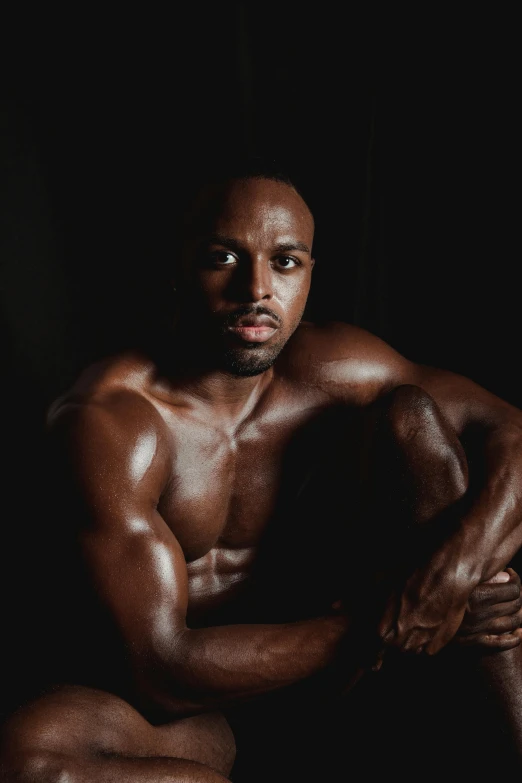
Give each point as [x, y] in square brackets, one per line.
[223, 500]
[177, 468]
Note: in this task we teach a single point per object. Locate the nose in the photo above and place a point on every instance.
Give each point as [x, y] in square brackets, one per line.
[258, 280]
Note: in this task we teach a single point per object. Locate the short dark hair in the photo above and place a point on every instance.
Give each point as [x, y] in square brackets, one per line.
[219, 169]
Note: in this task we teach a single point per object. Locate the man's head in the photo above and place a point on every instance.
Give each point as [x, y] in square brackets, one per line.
[246, 268]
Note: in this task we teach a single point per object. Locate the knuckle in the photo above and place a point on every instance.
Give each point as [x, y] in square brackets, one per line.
[479, 594]
[495, 640]
[503, 625]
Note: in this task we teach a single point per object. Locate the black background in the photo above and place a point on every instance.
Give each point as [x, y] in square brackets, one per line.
[402, 132]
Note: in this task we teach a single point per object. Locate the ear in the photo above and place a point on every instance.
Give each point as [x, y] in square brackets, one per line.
[312, 262]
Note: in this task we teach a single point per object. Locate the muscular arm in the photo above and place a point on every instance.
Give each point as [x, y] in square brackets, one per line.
[118, 467]
[489, 532]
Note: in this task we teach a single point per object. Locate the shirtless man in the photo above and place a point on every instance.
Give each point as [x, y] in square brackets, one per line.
[202, 487]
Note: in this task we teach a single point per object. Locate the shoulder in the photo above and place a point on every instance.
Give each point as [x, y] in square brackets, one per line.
[347, 362]
[107, 411]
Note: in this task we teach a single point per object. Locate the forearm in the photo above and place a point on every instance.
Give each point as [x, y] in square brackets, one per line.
[490, 533]
[212, 668]
[490, 430]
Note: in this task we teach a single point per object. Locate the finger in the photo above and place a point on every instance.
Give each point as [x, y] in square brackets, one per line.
[377, 666]
[502, 576]
[499, 642]
[513, 575]
[422, 640]
[490, 612]
[386, 628]
[504, 624]
[416, 641]
[487, 594]
[444, 636]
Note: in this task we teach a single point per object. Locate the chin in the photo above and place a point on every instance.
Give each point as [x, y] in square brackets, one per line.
[249, 361]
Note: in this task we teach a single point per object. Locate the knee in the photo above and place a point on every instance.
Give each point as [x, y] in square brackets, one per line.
[37, 766]
[409, 409]
[421, 432]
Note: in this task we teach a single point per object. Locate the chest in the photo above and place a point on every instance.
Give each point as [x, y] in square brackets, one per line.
[224, 489]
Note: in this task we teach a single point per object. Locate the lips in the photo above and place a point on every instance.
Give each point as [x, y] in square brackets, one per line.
[254, 328]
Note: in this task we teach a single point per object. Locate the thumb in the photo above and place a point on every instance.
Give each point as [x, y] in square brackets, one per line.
[501, 576]
[386, 628]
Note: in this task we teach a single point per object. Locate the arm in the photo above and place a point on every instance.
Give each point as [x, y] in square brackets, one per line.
[488, 534]
[431, 606]
[138, 569]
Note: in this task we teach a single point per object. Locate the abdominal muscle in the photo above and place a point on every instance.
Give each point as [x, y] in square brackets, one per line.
[219, 584]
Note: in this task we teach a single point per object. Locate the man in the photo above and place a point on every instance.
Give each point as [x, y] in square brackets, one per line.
[263, 507]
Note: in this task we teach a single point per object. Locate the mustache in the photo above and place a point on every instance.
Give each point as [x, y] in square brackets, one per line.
[230, 319]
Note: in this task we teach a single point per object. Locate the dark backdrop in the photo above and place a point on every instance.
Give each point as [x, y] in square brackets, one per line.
[403, 133]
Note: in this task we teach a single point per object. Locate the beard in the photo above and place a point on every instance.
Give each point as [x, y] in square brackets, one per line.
[213, 345]
[246, 359]
[251, 359]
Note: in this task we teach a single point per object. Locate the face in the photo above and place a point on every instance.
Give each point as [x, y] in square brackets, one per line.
[246, 272]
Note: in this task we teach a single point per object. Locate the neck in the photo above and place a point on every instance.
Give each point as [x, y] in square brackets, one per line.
[230, 396]
[224, 390]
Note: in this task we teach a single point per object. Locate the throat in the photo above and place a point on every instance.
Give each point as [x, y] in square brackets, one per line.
[230, 398]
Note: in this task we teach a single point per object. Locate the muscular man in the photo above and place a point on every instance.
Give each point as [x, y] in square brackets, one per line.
[259, 506]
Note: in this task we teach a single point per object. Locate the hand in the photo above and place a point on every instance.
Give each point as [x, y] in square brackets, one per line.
[494, 615]
[424, 612]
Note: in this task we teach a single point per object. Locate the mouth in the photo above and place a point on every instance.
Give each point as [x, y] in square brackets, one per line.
[253, 334]
[254, 329]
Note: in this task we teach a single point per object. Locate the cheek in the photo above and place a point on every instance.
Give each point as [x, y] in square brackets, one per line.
[293, 295]
[209, 286]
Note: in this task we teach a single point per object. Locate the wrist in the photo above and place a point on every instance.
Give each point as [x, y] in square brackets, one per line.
[456, 562]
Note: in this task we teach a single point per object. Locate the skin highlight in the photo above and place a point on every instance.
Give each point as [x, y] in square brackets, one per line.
[175, 471]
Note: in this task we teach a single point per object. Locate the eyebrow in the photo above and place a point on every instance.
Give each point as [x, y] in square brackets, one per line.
[285, 248]
[233, 244]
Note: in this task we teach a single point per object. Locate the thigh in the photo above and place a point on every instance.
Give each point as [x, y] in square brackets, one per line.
[88, 726]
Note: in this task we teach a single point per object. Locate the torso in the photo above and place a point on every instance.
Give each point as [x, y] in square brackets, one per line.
[225, 488]
[250, 505]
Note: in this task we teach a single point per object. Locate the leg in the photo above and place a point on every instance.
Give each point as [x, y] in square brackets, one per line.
[78, 735]
[412, 485]
[413, 470]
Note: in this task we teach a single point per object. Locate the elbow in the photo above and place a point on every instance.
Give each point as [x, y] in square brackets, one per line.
[161, 681]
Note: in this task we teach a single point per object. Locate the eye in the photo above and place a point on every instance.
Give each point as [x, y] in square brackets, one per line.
[287, 262]
[222, 258]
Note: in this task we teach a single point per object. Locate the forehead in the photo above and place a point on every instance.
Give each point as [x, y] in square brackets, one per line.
[255, 208]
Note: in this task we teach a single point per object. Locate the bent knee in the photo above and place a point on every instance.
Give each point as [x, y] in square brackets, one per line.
[410, 408]
[420, 430]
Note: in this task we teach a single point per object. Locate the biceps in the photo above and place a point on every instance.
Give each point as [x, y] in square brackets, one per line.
[141, 578]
